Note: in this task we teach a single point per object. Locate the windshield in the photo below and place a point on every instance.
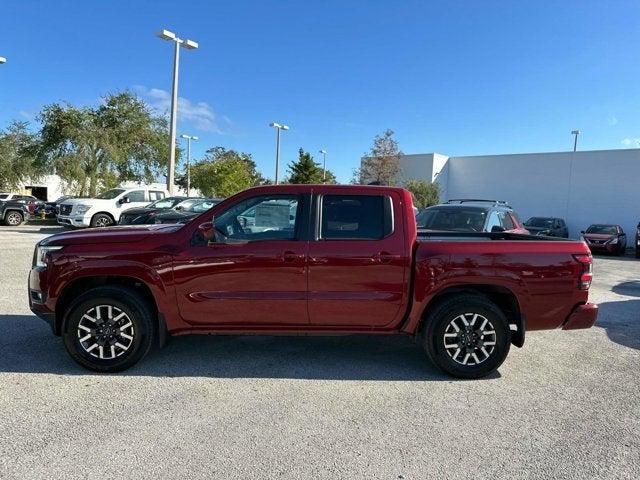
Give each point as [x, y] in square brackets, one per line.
[603, 229]
[110, 194]
[466, 219]
[205, 205]
[540, 222]
[3, 196]
[166, 202]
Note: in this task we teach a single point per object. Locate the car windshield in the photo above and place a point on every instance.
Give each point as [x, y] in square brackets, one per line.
[466, 219]
[603, 229]
[110, 194]
[166, 202]
[204, 205]
[3, 196]
[540, 222]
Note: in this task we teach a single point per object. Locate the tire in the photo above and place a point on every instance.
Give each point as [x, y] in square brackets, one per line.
[485, 354]
[122, 346]
[102, 220]
[637, 252]
[13, 218]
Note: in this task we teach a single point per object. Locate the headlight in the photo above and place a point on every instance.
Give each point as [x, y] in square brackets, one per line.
[613, 241]
[81, 209]
[41, 254]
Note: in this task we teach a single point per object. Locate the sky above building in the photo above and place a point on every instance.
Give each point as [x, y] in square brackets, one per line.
[455, 77]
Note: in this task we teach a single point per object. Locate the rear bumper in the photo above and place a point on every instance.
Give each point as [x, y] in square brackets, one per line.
[584, 316]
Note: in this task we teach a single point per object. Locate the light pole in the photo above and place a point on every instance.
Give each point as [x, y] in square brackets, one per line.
[191, 45]
[575, 140]
[278, 127]
[324, 165]
[189, 138]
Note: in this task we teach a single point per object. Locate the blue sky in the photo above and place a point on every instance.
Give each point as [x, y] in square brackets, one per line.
[456, 77]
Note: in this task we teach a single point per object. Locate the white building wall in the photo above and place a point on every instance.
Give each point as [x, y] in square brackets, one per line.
[583, 187]
[416, 167]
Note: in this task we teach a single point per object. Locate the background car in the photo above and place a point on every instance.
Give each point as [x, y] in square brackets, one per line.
[51, 209]
[186, 210]
[604, 238]
[471, 215]
[549, 226]
[146, 215]
[13, 213]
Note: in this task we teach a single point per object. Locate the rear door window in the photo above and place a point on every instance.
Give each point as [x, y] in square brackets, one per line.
[355, 217]
[136, 196]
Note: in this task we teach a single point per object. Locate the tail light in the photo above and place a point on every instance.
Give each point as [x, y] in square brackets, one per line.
[586, 261]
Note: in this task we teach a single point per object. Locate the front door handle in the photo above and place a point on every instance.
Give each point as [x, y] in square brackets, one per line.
[290, 256]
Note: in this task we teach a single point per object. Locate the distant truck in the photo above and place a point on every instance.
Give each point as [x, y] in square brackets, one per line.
[308, 260]
[105, 209]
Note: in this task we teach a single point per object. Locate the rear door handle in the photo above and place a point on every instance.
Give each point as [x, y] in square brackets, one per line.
[290, 256]
[385, 257]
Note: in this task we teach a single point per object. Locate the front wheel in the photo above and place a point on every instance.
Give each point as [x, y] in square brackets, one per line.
[108, 329]
[14, 218]
[467, 336]
[102, 220]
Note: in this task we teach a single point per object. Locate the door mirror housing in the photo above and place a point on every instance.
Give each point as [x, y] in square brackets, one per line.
[207, 231]
[124, 199]
[497, 229]
[582, 232]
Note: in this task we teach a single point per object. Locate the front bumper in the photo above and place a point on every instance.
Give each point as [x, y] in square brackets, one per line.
[80, 221]
[583, 316]
[37, 300]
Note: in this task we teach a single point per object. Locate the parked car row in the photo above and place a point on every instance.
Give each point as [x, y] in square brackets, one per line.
[476, 215]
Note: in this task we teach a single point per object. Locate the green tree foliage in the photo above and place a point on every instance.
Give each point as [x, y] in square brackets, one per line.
[18, 160]
[382, 163]
[223, 172]
[306, 170]
[98, 147]
[424, 193]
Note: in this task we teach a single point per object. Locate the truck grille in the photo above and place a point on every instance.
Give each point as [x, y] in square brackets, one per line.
[65, 209]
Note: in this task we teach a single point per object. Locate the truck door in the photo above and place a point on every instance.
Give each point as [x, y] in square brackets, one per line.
[358, 261]
[255, 272]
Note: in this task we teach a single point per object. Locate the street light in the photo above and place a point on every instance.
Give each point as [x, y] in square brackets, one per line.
[575, 140]
[190, 45]
[278, 127]
[324, 165]
[189, 138]
[3, 60]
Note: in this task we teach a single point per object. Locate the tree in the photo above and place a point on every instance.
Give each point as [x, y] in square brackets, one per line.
[424, 193]
[223, 172]
[382, 163]
[99, 147]
[306, 170]
[18, 160]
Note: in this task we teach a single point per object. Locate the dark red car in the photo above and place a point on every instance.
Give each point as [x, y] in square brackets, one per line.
[302, 260]
[602, 238]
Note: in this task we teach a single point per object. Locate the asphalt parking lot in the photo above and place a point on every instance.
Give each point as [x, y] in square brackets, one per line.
[567, 405]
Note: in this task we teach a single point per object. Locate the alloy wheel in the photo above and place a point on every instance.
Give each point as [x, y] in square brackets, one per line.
[14, 219]
[105, 332]
[470, 339]
[103, 222]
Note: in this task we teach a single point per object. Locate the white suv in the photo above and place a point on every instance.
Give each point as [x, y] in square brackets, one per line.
[105, 209]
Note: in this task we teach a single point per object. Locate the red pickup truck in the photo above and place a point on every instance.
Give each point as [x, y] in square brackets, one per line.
[308, 259]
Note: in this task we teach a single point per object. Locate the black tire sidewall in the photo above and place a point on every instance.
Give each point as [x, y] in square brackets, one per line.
[126, 301]
[434, 338]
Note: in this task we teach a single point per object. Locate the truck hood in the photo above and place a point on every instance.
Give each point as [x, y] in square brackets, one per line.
[118, 234]
[94, 202]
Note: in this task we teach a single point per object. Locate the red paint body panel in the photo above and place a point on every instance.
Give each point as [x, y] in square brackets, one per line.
[311, 286]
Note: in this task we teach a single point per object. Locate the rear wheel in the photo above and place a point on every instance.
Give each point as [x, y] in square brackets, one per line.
[102, 220]
[467, 336]
[108, 329]
[14, 218]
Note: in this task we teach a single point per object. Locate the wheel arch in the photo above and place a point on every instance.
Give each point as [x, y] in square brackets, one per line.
[501, 296]
[81, 285]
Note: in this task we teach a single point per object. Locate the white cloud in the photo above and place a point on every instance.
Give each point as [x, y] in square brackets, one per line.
[612, 120]
[199, 114]
[28, 115]
[631, 142]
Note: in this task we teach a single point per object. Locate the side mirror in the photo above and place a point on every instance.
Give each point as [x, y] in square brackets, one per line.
[497, 229]
[207, 231]
[582, 232]
[124, 200]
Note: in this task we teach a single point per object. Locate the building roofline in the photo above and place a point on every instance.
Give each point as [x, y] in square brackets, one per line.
[527, 153]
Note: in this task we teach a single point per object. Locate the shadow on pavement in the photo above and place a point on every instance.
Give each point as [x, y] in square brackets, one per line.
[49, 230]
[28, 346]
[630, 289]
[621, 321]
